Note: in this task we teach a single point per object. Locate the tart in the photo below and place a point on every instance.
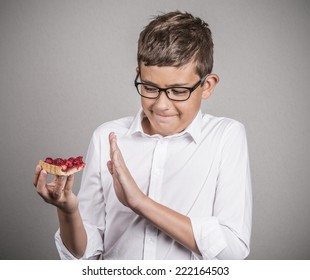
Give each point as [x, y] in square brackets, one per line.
[62, 167]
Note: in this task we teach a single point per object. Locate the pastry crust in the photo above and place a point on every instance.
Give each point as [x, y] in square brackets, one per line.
[57, 170]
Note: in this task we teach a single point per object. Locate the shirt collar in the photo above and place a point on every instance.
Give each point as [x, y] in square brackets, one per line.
[193, 130]
[136, 126]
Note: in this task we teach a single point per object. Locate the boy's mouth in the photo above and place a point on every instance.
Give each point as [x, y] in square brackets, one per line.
[163, 117]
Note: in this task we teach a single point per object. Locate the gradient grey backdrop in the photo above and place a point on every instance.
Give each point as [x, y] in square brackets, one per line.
[68, 66]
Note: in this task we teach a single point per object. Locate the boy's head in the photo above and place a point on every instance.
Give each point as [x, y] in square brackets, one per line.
[176, 39]
[175, 59]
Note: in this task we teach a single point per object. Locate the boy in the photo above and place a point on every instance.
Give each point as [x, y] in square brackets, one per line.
[171, 182]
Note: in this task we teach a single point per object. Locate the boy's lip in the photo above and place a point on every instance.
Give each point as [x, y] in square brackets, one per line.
[163, 117]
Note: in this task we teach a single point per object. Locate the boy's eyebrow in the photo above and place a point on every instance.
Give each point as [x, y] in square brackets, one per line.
[168, 86]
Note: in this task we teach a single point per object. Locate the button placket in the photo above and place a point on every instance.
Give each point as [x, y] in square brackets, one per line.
[159, 157]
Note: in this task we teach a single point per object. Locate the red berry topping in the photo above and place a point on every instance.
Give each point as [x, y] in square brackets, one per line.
[78, 160]
[67, 164]
[59, 161]
[49, 160]
[71, 159]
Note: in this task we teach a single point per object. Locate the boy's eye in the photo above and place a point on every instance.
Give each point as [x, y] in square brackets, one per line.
[179, 90]
[150, 88]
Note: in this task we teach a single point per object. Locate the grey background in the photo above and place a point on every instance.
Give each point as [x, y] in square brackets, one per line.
[68, 66]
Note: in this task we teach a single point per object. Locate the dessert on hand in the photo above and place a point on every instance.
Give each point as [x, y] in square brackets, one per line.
[62, 167]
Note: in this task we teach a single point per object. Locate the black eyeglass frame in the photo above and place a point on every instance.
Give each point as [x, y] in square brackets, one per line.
[190, 89]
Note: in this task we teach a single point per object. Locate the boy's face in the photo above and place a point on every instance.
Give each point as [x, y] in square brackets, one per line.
[167, 117]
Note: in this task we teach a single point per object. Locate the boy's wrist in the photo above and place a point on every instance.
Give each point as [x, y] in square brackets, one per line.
[141, 204]
[67, 215]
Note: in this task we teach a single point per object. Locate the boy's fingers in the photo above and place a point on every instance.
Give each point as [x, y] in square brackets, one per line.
[110, 167]
[113, 145]
[116, 159]
[116, 156]
[36, 175]
[69, 183]
[41, 183]
[59, 186]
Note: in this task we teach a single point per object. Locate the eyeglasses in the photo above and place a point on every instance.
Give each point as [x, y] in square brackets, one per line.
[173, 93]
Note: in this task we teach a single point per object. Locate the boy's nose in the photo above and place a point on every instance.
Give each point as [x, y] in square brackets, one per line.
[162, 102]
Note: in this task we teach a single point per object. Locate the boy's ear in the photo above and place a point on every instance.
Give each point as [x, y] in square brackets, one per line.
[209, 85]
[137, 70]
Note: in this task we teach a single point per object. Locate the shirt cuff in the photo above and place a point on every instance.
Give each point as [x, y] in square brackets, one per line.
[209, 237]
[94, 246]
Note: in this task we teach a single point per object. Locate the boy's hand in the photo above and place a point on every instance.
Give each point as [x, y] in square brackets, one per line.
[58, 192]
[125, 187]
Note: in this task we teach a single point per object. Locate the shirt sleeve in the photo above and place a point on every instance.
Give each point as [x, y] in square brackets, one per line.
[94, 245]
[91, 206]
[226, 235]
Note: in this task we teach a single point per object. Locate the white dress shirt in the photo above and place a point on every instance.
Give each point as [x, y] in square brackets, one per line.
[202, 172]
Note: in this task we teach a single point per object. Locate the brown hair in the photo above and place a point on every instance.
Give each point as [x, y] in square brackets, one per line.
[175, 39]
